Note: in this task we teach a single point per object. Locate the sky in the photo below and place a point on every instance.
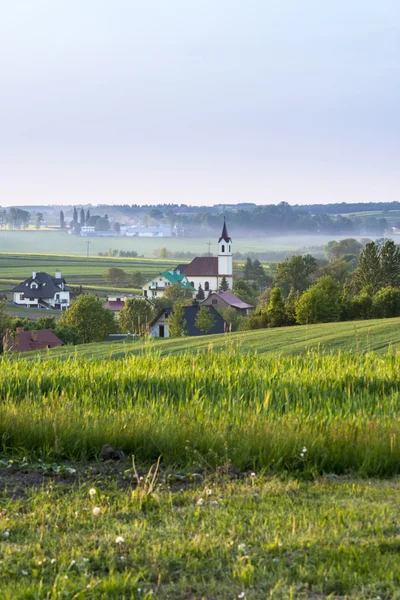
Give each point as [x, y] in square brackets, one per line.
[199, 101]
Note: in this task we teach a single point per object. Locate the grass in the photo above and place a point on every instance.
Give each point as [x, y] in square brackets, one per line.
[258, 538]
[376, 335]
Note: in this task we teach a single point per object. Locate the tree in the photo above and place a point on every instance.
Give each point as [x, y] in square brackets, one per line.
[200, 293]
[102, 224]
[390, 264]
[82, 217]
[137, 279]
[162, 253]
[175, 294]
[75, 215]
[38, 220]
[135, 316]
[295, 272]
[368, 272]
[204, 319]
[242, 290]
[335, 250]
[46, 323]
[360, 306]
[248, 269]
[62, 220]
[232, 317]
[290, 306]
[258, 272]
[17, 218]
[115, 275]
[87, 216]
[276, 309]
[68, 335]
[223, 285]
[117, 228]
[87, 314]
[386, 303]
[321, 303]
[176, 322]
[5, 320]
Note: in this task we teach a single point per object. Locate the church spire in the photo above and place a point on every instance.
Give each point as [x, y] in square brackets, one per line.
[224, 234]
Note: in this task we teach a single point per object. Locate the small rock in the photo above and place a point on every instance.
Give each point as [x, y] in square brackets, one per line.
[109, 453]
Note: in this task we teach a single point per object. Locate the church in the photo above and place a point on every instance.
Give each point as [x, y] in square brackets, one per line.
[208, 271]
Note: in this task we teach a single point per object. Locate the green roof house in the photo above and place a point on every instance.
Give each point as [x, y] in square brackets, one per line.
[155, 287]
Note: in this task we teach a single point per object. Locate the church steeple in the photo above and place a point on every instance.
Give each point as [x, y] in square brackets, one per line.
[224, 234]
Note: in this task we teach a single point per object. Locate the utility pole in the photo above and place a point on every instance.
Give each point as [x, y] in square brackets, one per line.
[88, 244]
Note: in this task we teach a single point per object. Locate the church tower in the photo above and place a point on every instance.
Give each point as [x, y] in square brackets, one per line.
[225, 266]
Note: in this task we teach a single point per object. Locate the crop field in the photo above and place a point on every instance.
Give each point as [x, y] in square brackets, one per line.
[278, 467]
[378, 335]
[53, 242]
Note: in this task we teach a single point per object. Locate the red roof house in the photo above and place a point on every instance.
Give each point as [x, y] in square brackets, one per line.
[23, 341]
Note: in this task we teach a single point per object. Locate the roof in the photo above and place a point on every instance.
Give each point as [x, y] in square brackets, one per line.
[48, 286]
[224, 234]
[114, 305]
[24, 341]
[175, 277]
[232, 300]
[190, 314]
[201, 266]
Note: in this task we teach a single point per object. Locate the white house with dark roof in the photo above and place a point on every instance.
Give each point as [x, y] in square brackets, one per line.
[155, 287]
[43, 291]
[208, 271]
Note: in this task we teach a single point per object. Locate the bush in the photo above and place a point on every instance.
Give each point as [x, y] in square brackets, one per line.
[321, 303]
[386, 303]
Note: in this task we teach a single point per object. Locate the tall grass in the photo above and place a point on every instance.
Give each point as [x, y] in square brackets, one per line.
[256, 411]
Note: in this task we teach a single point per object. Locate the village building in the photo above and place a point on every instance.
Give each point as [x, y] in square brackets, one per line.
[155, 287]
[24, 341]
[209, 271]
[159, 327]
[116, 303]
[43, 291]
[228, 300]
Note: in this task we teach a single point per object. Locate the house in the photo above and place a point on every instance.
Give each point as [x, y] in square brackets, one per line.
[23, 341]
[209, 271]
[159, 325]
[161, 230]
[155, 287]
[228, 300]
[43, 291]
[117, 303]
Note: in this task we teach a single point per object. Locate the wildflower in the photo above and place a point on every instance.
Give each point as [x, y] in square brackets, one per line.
[53, 561]
[85, 560]
[6, 533]
[208, 492]
[301, 454]
[200, 502]
[304, 449]
[241, 595]
[24, 572]
[96, 510]
[65, 576]
[213, 502]
[119, 540]
[252, 474]
[92, 492]
[241, 546]
[73, 563]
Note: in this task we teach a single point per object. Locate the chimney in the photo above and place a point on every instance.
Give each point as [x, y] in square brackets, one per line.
[19, 329]
[34, 336]
[58, 274]
[33, 274]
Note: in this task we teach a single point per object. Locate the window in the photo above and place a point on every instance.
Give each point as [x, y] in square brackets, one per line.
[223, 248]
[206, 286]
[229, 247]
[214, 301]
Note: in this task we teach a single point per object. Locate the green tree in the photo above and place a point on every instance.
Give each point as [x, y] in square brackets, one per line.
[115, 275]
[46, 323]
[117, 228]
[138, 279]
[386, 303]
[175, 294]
[75, 215]
[258, 272]
[102, 224]
[290, 306]
[135, 316]
[361, 306]
[232, 317]
[5, 321]
[223, 285]
[87, 314]
[176, 322]
[68, 335]
[38, 220]
[276, 309]
[87, 216]
[390, 264]
[82, 217]
[336, 250]
[248, 269]
[162, 253]
[244, 291]
[321, 303]
[296, 273]
[62, 220]
[368, 273]
[204, 319]
[200, 294]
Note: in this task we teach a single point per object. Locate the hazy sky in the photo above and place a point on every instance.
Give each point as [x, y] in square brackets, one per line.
[199, 101]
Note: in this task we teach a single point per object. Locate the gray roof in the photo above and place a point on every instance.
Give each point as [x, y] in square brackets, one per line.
[48, 286]
[232, 300]
[190, 314]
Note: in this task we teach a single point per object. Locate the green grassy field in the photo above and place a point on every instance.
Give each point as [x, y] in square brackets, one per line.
[376, 335]
[53, 242]
[261, 537]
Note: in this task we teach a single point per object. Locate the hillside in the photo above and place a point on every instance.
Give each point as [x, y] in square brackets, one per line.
[355, 336]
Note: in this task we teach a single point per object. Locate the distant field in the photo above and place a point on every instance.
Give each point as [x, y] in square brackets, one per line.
[356, 336]
[51, 242]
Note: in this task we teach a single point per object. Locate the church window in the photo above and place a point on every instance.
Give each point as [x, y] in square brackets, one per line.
[223, 248]
[206, 286]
